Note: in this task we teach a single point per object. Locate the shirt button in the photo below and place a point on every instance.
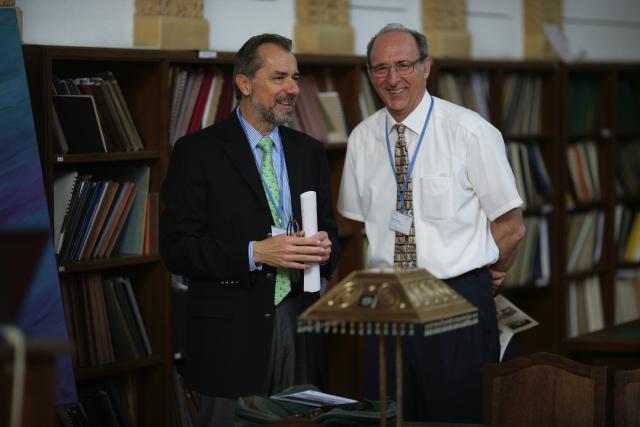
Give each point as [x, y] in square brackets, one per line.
[267, 316]
[269, 276]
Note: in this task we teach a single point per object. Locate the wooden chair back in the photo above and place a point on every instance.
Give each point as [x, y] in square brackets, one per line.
[544, 390]
[626, 398]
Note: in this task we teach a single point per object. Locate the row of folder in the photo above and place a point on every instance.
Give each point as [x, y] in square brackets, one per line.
[90, 115]
[104, 213]
[584, 234]
[584, 306]
[521, 104]
[103, 320]
[533, 263]
[530, 172]
[627, 167]
[627, 296]
[627, 233]
[582, 162]
[199, 98]
[470, 90]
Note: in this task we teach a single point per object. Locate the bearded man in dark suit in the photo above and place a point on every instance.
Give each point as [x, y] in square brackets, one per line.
[230, 227]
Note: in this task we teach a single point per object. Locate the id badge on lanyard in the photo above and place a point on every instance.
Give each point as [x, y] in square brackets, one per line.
[401, 220]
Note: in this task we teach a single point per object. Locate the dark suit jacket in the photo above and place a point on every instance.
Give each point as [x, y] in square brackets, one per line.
[214, 205]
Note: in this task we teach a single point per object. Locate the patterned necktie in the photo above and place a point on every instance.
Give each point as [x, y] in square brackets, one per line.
[404, 255]
[283, 284]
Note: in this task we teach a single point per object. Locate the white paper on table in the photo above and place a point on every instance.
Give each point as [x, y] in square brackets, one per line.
[310, 227]
[314, 398]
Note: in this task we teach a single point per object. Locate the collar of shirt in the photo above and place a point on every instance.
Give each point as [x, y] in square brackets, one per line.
[414, 121]
[253, 136]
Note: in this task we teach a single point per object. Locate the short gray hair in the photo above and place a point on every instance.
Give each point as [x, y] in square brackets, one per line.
[421, 39]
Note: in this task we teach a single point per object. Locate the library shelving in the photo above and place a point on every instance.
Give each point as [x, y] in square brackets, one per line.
[549, 113]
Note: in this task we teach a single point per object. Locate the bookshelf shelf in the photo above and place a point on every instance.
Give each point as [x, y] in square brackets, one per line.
[145, 78]
[628, 133]
[586, 206]
[108, 263]
[118, 368]
[628, 265]
[583, 273]
[540, 138]
[105, 157]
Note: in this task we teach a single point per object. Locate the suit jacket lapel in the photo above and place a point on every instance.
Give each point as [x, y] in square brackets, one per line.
[237, 149]
[294, 170]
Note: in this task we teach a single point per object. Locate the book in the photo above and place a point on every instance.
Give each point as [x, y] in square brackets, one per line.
[201, 102]
[123, 111]
[97, 319]
[593, 302]
[62, 147]
[192, 89]
[111, 189]
[226, 100]
[211, 109]
[110, 222]
[179, 86]
[80, 124]
[125, 282]
[77, 208]
[544, 251]
[120, 221]
[63, 188]
[110, 111]
[151, 224]
[89, 219]
[132, 241]
[123, 342]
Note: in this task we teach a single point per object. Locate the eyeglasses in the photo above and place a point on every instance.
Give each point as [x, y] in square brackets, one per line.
[401, 67]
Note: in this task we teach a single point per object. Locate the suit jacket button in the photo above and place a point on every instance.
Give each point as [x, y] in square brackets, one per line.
[269, 276]
[267, 316]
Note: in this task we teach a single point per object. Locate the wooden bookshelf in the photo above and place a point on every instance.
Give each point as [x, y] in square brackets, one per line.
[145, 79]
[141, 75]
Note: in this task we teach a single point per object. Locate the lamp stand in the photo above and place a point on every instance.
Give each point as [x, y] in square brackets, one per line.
[383, 380]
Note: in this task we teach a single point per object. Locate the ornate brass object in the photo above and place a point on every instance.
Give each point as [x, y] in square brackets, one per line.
[388, 302]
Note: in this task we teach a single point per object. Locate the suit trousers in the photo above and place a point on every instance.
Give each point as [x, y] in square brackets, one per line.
[281, 372]
[443, 373]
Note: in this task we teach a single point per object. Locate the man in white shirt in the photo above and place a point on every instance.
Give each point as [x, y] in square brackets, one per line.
[432, 184]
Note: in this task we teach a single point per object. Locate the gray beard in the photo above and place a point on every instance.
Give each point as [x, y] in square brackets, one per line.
[271, 116]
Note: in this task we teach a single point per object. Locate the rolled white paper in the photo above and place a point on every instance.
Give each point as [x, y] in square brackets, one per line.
[310, 227]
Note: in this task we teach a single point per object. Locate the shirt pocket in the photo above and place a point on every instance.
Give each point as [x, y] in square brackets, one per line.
[436, 197]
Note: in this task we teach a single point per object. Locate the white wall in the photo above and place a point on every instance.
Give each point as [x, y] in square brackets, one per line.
[595, 29]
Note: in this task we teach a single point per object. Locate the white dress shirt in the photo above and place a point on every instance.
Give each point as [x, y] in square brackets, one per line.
[461, 181]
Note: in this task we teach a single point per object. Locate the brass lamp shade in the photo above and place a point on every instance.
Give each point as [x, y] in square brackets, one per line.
[388, 302]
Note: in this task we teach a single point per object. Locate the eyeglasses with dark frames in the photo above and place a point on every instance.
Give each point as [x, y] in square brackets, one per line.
[402, 67]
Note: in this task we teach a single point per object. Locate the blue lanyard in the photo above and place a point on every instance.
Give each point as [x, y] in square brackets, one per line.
[403, 190]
